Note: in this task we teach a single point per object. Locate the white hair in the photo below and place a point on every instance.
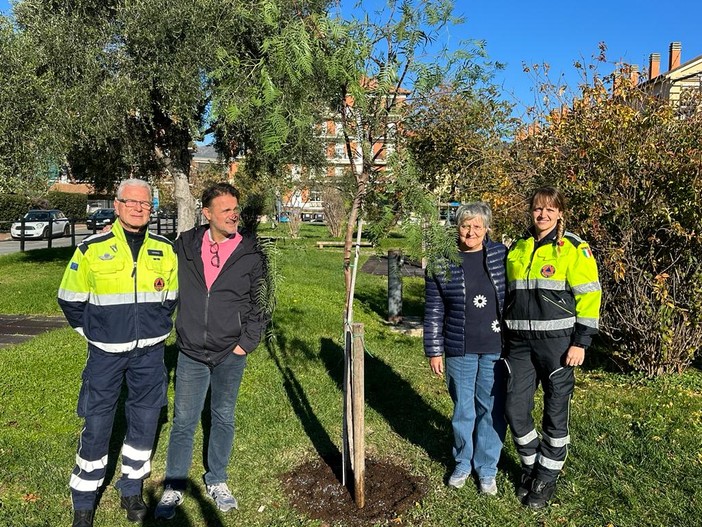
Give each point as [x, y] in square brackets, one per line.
[133, 183]
[477, 209]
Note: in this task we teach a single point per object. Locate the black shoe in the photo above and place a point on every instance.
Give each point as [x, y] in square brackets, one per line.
[83, 518]
[540, 494]
[135, 506]
[524, 485]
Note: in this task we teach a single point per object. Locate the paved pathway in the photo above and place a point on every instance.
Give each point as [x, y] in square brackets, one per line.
[15, 329]
[378, 265]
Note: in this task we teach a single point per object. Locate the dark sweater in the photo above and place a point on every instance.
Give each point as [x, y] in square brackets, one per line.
[482, 325]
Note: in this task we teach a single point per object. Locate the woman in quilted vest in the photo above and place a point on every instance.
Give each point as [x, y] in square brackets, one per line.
[463, 323]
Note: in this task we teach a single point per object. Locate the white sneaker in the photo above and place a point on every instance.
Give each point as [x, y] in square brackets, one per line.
[165, 510]
[220, 493]
[458, 479]
[488, 486]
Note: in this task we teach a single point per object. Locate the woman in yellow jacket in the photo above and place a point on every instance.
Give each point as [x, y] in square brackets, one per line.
[551, 314]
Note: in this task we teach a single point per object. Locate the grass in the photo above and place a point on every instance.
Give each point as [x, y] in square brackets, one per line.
[636, 457]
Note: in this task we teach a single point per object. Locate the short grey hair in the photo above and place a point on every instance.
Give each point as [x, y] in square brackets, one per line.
[476, 209]
[133, 183]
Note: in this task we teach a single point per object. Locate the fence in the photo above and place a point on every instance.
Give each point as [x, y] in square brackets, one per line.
[75, 229]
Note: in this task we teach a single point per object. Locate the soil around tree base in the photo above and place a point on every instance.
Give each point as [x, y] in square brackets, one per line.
[315, 490]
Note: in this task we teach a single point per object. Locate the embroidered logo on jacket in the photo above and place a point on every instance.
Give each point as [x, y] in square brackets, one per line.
[159, 284]
[547, 271]
[106, 256]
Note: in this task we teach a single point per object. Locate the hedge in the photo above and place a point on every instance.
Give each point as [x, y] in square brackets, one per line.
[12, 206]
[74, 206]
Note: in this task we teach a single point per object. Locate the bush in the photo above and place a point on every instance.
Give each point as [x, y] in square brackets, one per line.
[629, 165]
[12, 206]
[72, 205]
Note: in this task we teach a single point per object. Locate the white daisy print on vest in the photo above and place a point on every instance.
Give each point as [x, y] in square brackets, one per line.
[495, 326]
[480, 301]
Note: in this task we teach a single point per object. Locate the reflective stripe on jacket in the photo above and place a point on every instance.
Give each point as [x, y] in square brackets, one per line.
[445, 302]
[553, 289]
[115, 303]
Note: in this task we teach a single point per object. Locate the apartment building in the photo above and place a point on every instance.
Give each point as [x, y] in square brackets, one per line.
[680, 76]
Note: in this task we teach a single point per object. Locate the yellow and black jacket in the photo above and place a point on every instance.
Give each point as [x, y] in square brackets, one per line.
[118, 304]
[552, 289]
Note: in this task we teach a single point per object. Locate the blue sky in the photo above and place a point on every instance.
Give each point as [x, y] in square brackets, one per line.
[559, 33]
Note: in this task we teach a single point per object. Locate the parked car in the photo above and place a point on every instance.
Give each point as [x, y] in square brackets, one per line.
[101, 217]
[36, 225]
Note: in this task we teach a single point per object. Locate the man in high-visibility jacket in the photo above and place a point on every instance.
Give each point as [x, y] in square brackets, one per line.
[119, 291]
[551, 314]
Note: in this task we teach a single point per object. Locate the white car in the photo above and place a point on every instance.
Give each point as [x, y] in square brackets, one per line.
[36, 225]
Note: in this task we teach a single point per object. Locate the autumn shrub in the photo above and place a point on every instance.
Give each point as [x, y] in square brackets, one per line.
[631, 168]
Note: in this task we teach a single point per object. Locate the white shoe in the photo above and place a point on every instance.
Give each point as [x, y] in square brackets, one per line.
[220, 493]
[488, 486]
[458, 479]
[165, 510]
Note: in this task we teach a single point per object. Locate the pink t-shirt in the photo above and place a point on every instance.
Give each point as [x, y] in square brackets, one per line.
[226, 248]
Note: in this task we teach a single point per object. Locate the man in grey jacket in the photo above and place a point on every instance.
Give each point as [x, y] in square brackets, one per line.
[219, 322]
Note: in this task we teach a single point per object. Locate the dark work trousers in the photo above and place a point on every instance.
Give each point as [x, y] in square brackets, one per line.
[147, 380]
[530, 362]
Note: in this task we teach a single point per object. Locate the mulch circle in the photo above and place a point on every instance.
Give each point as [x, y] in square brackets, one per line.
[315, 490]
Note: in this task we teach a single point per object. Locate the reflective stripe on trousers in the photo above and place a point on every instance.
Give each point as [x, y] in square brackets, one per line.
[530, 363]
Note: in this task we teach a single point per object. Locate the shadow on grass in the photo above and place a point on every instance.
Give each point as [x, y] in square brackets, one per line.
[314, 429]
[376, 299]
[400, 405]
[194, 492]
[58, 254]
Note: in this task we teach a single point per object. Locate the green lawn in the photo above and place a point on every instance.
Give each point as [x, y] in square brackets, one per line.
[636, 457]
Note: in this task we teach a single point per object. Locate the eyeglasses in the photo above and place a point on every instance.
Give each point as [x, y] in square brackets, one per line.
[132, 203]
[214, 251]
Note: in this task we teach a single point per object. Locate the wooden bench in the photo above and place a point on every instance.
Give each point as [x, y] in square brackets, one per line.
[322, 245]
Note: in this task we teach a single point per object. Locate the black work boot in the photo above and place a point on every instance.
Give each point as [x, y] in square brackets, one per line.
[524, 484]
[135, 506]
[83, 518]
[540, 494]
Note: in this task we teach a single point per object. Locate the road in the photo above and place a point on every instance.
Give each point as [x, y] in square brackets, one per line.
[8, 245]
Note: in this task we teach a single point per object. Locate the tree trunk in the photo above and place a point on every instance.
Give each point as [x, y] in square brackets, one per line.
[348, 241]
[180, 172]
[184, 200]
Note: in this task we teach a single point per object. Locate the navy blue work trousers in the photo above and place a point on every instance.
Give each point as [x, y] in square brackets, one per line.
[145, 374]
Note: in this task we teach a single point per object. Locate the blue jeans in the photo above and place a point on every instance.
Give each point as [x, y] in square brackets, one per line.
[476, 385]
[193, 379]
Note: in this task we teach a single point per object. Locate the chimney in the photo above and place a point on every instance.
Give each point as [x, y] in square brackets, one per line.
[654, 65]
[674, 57]
[634, 74]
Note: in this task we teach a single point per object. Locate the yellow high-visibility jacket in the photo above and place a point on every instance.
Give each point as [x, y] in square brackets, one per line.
[118, 304]
[553, 289]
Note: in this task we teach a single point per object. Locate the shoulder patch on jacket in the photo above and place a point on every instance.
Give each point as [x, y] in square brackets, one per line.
[573, 238]
[160, 238]
[95, 238]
